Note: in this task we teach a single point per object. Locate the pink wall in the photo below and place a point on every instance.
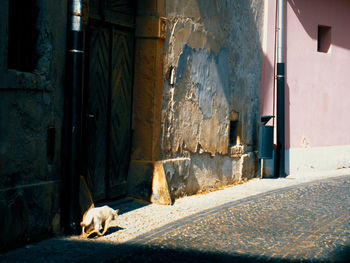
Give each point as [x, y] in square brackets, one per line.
[267, 91]
[317, 84]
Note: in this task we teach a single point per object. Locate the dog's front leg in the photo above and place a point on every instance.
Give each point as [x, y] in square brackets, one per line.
[106, 226]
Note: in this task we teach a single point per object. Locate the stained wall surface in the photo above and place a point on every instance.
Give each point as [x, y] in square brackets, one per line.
[31, 105]
[215, 48]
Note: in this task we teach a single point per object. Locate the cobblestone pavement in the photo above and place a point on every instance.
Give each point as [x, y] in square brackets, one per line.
[308, 222]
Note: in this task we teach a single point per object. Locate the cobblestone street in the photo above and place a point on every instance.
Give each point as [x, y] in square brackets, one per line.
[307, 222]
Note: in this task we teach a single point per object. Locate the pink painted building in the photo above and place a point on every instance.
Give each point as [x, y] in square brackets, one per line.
[317, 83]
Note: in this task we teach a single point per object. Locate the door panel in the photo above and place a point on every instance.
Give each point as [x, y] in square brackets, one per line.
[120, 12]
[97, 109]
[108, 108]
[122, 59]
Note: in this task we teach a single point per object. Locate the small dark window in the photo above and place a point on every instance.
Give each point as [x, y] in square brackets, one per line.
[51, 131]
[23, 35]
[233, 133]
[324, 38]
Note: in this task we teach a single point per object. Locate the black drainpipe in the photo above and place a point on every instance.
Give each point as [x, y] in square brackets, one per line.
[72, 119]
[280, 156]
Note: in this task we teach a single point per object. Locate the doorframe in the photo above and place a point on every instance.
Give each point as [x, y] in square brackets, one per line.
[150, 34]
[151, 31]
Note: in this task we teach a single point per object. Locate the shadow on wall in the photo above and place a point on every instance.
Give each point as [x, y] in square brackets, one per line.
[312, 12]
[267, 106]
[239, 25]
[226, 68]
[287, 123]
[242, 39]
[210, 73]
[217, 51]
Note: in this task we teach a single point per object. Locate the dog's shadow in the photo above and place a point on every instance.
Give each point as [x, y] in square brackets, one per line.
[110, 230]
[113, 229]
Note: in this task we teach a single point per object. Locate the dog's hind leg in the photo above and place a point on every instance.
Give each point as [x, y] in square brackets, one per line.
[83, 234]
[97, 227]
[94, 232]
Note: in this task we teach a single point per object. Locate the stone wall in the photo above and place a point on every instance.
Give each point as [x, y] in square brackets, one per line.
[215, 49]
[31, 108]
[181, 131]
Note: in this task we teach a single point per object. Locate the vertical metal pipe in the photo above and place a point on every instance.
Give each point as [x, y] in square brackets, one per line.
[73, 96]
[280, 157]
[280, 31]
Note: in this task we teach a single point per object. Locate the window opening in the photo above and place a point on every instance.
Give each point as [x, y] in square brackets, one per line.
[235, 129]
[51, 131]
[23, 35]
[233, 140]
[324, 38]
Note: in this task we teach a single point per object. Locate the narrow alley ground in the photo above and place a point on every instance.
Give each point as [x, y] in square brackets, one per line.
[293, 219]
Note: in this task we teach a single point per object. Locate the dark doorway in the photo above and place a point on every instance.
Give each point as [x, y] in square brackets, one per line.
[108, 97]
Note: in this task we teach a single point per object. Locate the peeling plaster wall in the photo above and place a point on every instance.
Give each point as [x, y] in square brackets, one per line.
[31, 102]
[215, 47]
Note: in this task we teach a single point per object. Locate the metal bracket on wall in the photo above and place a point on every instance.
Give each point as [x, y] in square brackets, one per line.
[151, 27]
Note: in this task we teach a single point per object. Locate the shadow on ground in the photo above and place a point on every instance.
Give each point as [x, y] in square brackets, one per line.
[60, 250]
[126, 205]
[304, 223]
[110, 230]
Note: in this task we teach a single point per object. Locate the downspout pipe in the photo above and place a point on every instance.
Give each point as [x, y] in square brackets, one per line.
[73, 104]
[280, 79]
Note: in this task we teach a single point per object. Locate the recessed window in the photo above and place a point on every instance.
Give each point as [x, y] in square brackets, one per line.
[50, 143]
[235, 129]
[23, 35]
[324, 38]
[233, 139]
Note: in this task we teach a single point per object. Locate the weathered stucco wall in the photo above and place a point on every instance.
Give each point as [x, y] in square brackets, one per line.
[215, 48]
[31, 103]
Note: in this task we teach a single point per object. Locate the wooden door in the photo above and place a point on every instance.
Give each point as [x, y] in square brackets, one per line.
[108, 100]
[120, 120]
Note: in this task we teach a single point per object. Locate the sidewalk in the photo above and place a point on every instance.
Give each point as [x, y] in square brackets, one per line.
[146, 218]
[139, 220]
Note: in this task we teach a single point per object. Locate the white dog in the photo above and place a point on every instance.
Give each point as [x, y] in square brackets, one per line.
[98, 218]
